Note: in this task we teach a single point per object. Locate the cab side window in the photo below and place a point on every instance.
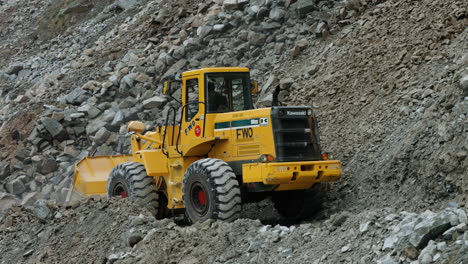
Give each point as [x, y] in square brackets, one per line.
[192, 98]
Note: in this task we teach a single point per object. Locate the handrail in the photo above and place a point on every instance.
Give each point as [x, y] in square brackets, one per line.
[165, 130]
[180, 127]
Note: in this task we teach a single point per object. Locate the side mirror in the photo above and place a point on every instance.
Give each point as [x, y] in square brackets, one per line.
[255, 87]
[167, 88]
[136, 126]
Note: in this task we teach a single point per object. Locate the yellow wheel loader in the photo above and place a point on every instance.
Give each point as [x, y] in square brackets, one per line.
[217, 152]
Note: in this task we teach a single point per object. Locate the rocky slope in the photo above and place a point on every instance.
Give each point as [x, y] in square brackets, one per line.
[118, 231]
[387, 79]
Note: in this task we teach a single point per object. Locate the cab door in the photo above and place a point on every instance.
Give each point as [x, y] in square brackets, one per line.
[193, 111]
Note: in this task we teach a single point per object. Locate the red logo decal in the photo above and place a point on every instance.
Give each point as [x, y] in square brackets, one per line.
[197, 131]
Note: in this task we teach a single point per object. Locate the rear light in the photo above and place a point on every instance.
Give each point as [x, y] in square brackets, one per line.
[266, 158]
[327, 156]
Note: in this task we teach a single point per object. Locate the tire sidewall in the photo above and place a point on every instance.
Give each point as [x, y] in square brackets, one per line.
[118, 178]
[203, 179]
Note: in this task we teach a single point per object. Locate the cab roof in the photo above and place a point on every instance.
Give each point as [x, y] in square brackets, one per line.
[217, 69]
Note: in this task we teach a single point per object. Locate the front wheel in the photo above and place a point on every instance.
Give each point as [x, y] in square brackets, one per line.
[211, 191]
[129, 179]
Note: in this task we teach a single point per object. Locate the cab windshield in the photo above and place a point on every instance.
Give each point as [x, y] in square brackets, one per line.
[228, 92]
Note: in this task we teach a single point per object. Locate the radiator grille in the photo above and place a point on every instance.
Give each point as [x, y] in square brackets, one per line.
[295, 134]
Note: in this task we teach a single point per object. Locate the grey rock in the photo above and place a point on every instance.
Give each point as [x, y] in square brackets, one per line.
[255, 38]
[312, 70]
[218, 27]
[204, 31]
[270, 25]
[55, 129]
[7, 200]
[93, 112]
[94, 126]
[41, 210]
[230, 4]
[345, 249]
[391, 242]
[461, 227]
[133, 239]
[176, 68]
[77, 96]
[178, 53]
[24, 73]
[126, 4]
[363, 228]
[15, 186]
[279, 48]
[462, 217]
[452, 204]
[118, 119]
[92, 85]
[430, 228]
[303, 7]
[47, 166]
[449, 234]
[287, 252]
[154, 102]
[22, 154]
[277, 14]
[127, 81]
[101, 136]
[14, 69]
[286, 83]
[442, 246]
[242, 3]
[29, 199]
[253, 10]
[138, 220]
[128, 103]
[254, 246]
[425, 259]
[387, 259]
[322, 29]
[4, 170]
[429, 250]
[464, 84]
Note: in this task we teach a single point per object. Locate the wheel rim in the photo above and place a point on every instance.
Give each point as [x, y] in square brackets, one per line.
[119, 190]
[199, 199]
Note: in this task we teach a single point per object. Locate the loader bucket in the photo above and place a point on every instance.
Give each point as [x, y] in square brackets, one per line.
[91, 174]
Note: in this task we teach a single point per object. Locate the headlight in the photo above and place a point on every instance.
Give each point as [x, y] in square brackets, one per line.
[309, 112]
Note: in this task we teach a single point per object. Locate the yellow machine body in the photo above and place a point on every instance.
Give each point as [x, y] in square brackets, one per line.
[239, 138]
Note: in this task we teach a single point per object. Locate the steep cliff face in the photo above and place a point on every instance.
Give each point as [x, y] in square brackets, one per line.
[387, 79]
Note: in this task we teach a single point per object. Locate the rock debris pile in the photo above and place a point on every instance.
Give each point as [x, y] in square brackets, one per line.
[119, 231]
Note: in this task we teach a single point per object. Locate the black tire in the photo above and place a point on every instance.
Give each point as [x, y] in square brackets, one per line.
[211, 191]
[296, 205]
[129, 179]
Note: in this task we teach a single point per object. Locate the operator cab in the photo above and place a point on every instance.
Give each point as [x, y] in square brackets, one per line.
[207, 93]
[228, 92]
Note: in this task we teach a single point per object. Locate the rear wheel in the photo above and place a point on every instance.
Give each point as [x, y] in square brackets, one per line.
[299, 204]
[129, 179]
[211, 191]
